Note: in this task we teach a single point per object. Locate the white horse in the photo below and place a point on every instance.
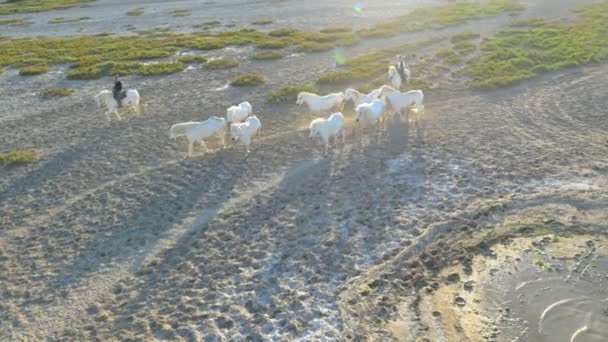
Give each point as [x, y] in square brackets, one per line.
[319, 104]
[327, 128]
[400, 102]
[358, 97]
[199, 131]
[369, 114]
[395, 77]
[105, 100]
[238, 113]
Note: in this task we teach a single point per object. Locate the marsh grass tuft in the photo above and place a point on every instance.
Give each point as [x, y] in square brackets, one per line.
[62, 20]
[268, 55]
[262, 22]
[14, 22]
[136, 12]
[33, 70]
[181, 12]
[290, 93]
[57, 92]
[247, 80]
[19, 157]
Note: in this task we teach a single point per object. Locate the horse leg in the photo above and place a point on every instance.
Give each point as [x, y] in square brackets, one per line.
[190, 146]
[117, 114]
[204, 146]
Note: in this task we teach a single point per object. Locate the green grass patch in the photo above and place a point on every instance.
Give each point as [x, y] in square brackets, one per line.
[272, 43]
[290, 93]
[222, 63]
[189, 59]
[30, 6]
[522, 53]
[442, 16]
[212, 23]
[464, 36]
[314, 47]
[181, 13]
[19, 157]
[14, 22]
[247, 80]
[62, 20]
[161, 68]
[57, 92]
[33, 70]
[465, 47]
[135, 12]
[262, 22]
[284, 32]
[266, 55]
[337, 29]
[370, 65]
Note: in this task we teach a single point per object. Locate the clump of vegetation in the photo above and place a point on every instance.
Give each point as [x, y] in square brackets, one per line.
[369, 65]
[19, 157]
[33, 70]
[192, 59]
[57, 92]
[272, 43]
[136, 12]
[449, 56]
[222, 63]
[160, 68]
[262, 22]
[290, 93]
[524, 52]
[464, 36]
[465, 47]
[181, 13]
[284, 32]
[62, 20]
[266, 55]
[212, 23]
[540, 263]
[29, 6]
[337, 29]
[247, 80]
[14, 22]
[314, 47]
[446, 15]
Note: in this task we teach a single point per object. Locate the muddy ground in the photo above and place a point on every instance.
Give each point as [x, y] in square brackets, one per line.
[114, 235]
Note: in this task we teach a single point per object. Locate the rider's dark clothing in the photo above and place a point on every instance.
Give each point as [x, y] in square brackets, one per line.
[118, 93]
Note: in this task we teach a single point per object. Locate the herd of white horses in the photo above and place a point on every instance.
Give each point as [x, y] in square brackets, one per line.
[372, 109]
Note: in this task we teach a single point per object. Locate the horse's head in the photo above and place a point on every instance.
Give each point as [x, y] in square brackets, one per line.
[359, 112]
[300, 99]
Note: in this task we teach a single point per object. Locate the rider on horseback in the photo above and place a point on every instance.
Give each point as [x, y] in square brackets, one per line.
[401, 68]
[117, 91]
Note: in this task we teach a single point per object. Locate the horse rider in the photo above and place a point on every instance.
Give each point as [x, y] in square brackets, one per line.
[117, 91]
[401, 68]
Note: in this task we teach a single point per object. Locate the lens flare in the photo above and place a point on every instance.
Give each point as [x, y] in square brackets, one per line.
[340, 58]
[358, 8]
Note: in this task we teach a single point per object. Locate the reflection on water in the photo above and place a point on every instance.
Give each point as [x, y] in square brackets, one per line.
[567, 303]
